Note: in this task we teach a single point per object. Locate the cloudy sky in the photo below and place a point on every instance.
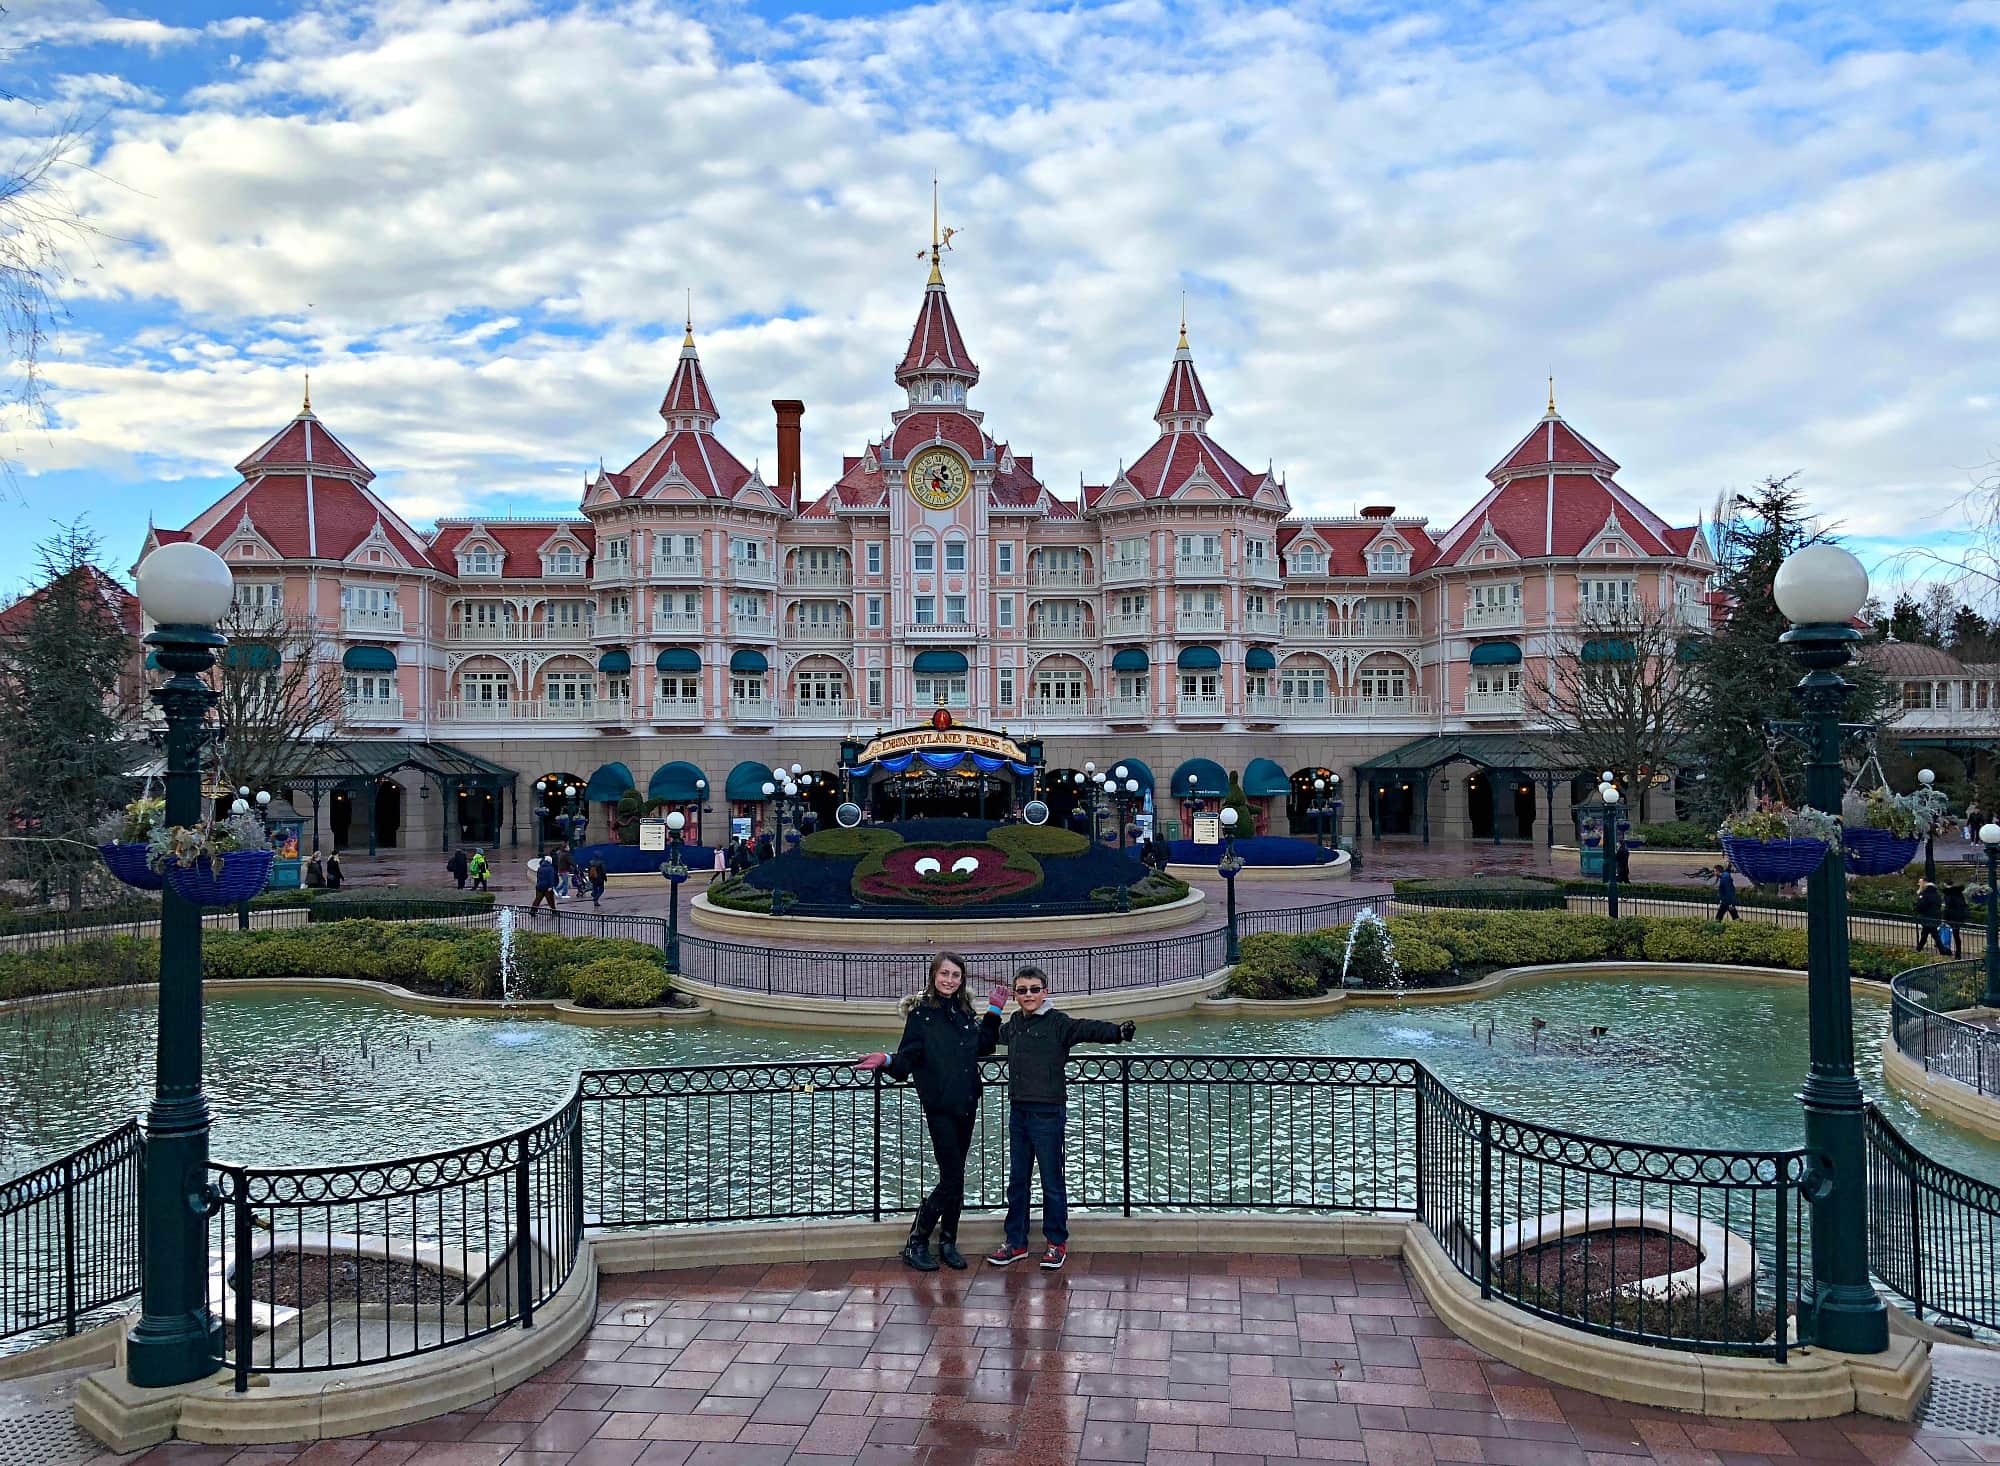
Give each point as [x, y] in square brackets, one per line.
[1747, 239]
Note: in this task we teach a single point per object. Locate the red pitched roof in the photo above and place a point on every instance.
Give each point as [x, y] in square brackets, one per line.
[935, 342]
[520, 541]
[688, 392]
[15, 618]
[1552, 441]
[1183, 394]
[305, 442]
[1347, 543]
[712, 470]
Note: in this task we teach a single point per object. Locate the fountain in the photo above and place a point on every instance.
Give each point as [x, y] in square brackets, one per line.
[1368, 938]
[506, 924]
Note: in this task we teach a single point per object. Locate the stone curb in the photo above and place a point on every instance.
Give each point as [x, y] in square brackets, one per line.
[1949, 1100]
[944, 930]
[782, 1010]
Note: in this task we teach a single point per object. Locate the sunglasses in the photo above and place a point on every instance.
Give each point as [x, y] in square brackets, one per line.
[1031, 988]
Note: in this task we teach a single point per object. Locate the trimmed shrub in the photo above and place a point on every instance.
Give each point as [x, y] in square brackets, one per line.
[374, 904]
[618, 982]
[1155, 889]
[1038, 840]
[854, 844]
[1274, 965]
[1498, 893]
[1678, 835]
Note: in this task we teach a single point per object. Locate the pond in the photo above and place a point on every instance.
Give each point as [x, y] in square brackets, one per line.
[303, 1080]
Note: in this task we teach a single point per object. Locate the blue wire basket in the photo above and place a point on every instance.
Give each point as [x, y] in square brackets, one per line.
[1774, 862]
[128, 863]
[237, 877]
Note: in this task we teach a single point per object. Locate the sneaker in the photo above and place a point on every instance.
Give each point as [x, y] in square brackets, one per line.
[949, 1255]
[1004, 1254]
[1052, 1257]
[917, 1253]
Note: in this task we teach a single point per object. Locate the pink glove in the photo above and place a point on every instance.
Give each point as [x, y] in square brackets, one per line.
[997, 999]
[872, 1062]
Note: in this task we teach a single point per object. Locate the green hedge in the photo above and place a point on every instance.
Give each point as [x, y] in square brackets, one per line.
[839, 844]
[1678, 835]
[1445, 948]
[441, 960]
[1490, 893]
[375, 904]
[1156, 888]
[1038, 840]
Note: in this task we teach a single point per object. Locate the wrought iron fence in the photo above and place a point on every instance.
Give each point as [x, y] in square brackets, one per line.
[1933, 1232]
[336, 1266]
[1666, 1245]
[69, 1236]
[1966, 1052]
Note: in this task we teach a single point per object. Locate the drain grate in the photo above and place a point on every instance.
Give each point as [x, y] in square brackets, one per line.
[1963, 1404]
[49, 1438]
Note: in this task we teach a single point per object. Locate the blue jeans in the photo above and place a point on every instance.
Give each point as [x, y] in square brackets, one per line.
[1035, 1141]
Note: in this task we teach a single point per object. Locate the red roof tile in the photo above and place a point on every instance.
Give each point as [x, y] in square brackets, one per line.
[935, 342]
[1552, 441]
[305, 442]
[1183, 394]
[688, 392]
[1347, 544]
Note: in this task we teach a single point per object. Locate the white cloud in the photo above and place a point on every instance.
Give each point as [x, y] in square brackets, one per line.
[1737, 257]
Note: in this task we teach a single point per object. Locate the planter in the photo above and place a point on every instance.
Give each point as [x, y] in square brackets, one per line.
[1774, 862]
[235, 878]
[128, 863]
[1872, 852]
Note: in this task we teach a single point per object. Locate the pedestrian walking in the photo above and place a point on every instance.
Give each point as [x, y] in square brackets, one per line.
[596, 875]
[1957, 914]
[333, 870]
[943, 1042]
[1930, 912]
[479, 870]
[545, 885]
[565, 866]
[315, 873]
[1038, 1040]
[459, 866]
[1725, 894]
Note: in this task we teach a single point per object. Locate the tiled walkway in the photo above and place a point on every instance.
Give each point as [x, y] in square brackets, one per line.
[1169, 1359]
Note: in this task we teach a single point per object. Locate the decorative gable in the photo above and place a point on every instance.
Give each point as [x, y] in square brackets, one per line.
[377, 548]
[563, 554]
[1388, 554]
[1612, 542]
[479, 554]
[247, 542]
[1488, 547]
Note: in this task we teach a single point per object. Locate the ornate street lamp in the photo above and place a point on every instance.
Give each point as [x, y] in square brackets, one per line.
[676, 871]
[1230, 865]
[701, 806]
[1608, 811]
[1819, 590]
[1931, 803]
[241, 805]
[184, 589]
[1989, 836]
[1325, 802]
[573, 816]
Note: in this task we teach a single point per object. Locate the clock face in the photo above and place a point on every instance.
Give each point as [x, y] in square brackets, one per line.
[938, 478]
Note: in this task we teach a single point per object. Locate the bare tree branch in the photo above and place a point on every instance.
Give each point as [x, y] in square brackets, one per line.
[274, 697]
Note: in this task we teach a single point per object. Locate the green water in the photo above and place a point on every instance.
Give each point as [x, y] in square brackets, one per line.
[316, 1080]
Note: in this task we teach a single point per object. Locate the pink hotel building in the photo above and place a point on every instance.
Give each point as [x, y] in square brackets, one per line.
[696, 616]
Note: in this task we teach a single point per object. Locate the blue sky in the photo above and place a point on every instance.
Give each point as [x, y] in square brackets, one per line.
[1748, 239]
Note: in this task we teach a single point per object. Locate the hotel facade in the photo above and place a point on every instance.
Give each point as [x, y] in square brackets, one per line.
[693, 616]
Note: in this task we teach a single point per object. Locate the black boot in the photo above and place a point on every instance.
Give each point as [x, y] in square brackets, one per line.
[917, 1252]
[948, 1253]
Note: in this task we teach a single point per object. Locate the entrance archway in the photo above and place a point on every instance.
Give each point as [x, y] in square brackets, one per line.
[340, 818]
[1062, 794]
[822, 797]
[547, 807]
[1393, 804]
[1299, 817]
[1524, 809]
[478, 816]
[388, 814]
[1479, 803]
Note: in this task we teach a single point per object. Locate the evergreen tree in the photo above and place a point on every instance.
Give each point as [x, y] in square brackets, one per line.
[1906, 620]
[66, 746]
[1744, 677]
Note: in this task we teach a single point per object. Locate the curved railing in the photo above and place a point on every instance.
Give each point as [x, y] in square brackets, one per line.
[68, 1235]
[1944, 1045]
[1933, 1232]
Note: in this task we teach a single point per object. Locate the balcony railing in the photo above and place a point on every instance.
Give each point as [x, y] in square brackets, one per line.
[676, 710]
[531, 710]
[1200, 705]
[1262, 623]
[1119, 624]
[749, 710]
[1061, 709]
[1207, 567]
[820, 631]
[602, 710]
[1061, 577]
[1201, 620]
[1060, 631]
[677, 623]
[677, 567]
[1124, 572]
[1294, 630]
[1386, 633]
[1128, 709]
[820, 577]
[373, 709]
[939, 631]
[752, 572]
[1492, 618]
[486, 633]
[822, 709]
[248, 616]
[1492, 704]
[1382, 707]
[613, 623]
[369, 622]
[1262, 570]
[603, 570]
[1261, 706]
[760, 628]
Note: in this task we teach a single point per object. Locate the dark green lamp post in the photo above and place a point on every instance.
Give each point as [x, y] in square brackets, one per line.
[1932, 803]
[1989, 836]
[1819, 590]
[184, 590]
[676, 871]
[1607, 800]
[1231, 865]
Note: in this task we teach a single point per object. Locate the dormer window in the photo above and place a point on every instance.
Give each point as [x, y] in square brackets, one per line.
[564, 560]
[481, 561]
[937, 391]
[1388, 559]
[1308, 562]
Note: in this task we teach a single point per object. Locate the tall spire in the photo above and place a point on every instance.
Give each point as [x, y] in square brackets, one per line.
[1552, 392]
[688, 401]
[1183, 346]
[687, 341]
[306, 408]
[937, 274]
[1183, 404]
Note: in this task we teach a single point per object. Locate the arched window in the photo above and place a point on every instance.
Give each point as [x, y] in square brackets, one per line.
[937, 391]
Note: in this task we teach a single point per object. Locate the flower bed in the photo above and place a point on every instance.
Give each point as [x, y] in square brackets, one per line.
[630, 860]
[1256, 850]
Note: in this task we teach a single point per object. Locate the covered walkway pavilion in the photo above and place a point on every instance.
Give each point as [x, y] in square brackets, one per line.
[465, 782]
[1396, 786]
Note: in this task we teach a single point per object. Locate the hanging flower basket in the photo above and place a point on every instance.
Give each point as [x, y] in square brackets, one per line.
[222, 880]
[1872, 852]
[128, 863]
[1774, 862]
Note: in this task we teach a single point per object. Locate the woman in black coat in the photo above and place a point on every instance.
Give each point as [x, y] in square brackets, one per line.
[1957, 915]
[944, 1039]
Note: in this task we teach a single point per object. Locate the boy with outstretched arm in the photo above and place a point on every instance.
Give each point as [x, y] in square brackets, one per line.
[1038, 1040]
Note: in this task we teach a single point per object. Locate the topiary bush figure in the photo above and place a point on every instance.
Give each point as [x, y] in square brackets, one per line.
[631, 806]
[1246, 812]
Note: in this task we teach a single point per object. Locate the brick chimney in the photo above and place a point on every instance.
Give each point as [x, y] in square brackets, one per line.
[789, 412]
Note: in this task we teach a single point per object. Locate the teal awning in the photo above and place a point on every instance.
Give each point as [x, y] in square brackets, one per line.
[1209, 780]
[368, 659]
[1131, 659]
[1264, 778]
[252, 656]
[616, 663]
[608, 783]
[679, 659]
[749, 663]
[1135, 768]
[939, 664]
[1616, 650]
[1496, 654]
[1689, 649]
[674, 783]
[1260, 659]
[1199, 659]
[152, 661]
[747, 781]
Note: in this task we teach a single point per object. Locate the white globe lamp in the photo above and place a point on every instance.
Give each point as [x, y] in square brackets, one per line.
[677, 821]
[1228, 818]
[1989, 834]
[1821, 585]
[185, 585]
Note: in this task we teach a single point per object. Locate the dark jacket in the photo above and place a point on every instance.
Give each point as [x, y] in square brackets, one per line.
[1930, 905]
[458, 864]
[1956, 911]
[1725, 889]
[941, 1049]
[1037, 1049]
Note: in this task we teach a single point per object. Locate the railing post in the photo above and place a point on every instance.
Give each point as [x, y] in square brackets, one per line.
[1125, 1118]
[1916, 1234]
[1417, 1094]
[1788, 1212]
[242, 1281]
[1485, 1205]
[524, 1270]
[69, 1243]
[576, 1171]
[876, 1129]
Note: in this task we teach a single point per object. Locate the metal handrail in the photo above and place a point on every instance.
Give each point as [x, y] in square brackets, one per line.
[1968, 1053]
[1933, 1232]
